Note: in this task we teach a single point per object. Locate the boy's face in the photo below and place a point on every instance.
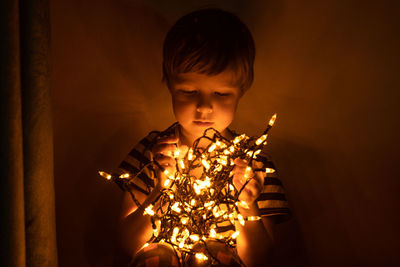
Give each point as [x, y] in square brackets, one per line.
[201, 101]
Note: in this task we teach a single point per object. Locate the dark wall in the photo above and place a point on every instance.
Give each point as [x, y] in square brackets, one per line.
[328, 68]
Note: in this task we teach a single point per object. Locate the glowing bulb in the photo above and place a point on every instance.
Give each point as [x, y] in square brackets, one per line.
[197, 189]
[269, 170]
[239, 138]
[205, 164]
[201, 256]
[194, 237]
[167, 173]
[240, 218]
[167, 182]
[209, 204]
[175, 231]
[235, 235]
[176, 153]
[186, 233]
[212, 148]
[190, 154]
[105, 175]
[221, 145]
[215, 212]
[174, 234]
[231, 219]
[253, 218]
[236, 140]
[208, 180]
[182, 164]
[176, 208]
[272, 120]
[213, 233]
[149, 210]
[184, 220]
[261, 139]
[181, 244]
[155, 232]
[124, 176]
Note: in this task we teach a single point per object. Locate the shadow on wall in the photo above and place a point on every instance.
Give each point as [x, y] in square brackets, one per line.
[100, 239]
[101, 233]
[304, 171]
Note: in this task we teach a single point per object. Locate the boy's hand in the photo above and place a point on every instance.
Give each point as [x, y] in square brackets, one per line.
[163, 152]
[253, 188]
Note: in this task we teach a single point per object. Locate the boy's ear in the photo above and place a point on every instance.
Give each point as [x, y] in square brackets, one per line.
[241, 93]
[169, 86]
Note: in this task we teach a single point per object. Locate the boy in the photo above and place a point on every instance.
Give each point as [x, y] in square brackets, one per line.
[207, 66]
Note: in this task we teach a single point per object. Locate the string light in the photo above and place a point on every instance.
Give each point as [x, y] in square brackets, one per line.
[190, 208]
[124, 176]
[105, 175]
[149, 210]
[201, 256]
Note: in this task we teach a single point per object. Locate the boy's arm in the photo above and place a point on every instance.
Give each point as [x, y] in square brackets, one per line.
[255, 241]
[135, 226]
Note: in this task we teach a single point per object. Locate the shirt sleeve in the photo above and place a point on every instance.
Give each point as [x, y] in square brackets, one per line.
[272, 200]
[136, 163]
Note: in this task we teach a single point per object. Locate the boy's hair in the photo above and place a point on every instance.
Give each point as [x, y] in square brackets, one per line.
[209, 41]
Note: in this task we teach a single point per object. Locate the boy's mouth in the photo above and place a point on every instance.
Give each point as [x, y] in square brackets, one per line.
[204, 123]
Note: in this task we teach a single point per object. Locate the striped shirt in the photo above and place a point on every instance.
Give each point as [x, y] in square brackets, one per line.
[271, 202]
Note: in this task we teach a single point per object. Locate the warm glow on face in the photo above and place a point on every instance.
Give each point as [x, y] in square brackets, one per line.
[201, 101]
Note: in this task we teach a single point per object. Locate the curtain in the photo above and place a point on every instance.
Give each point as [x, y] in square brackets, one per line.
[27, 233]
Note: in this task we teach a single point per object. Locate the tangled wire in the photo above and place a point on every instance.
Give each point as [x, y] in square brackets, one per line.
[189, 209]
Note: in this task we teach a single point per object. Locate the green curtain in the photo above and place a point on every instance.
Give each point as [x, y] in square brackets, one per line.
[28, 236]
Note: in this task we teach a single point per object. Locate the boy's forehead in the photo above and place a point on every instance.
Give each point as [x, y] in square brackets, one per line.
[224, 79]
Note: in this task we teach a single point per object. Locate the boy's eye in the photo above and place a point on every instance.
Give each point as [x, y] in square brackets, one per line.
[188, 92]
[222, 94]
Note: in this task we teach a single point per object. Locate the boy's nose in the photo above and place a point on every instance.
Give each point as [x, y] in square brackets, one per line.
[204, 105]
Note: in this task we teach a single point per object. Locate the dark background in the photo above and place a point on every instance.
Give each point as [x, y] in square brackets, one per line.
[330, 69]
